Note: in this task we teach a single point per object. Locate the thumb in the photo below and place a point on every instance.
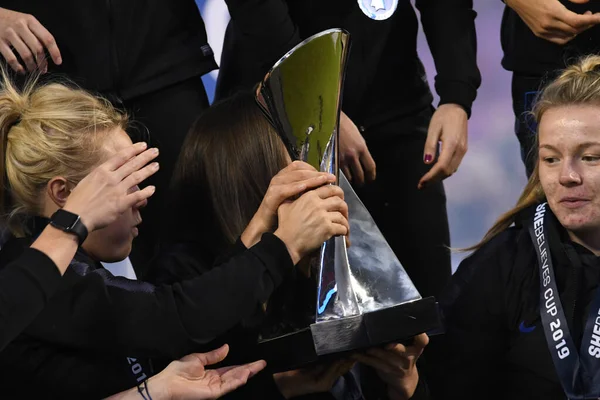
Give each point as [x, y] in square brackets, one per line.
[431, 144]
[213, 357]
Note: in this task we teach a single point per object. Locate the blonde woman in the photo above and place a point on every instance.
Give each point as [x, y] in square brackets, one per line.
[522, 313]
[102, 334]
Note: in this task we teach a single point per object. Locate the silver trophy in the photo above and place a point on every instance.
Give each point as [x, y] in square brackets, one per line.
[364, 297]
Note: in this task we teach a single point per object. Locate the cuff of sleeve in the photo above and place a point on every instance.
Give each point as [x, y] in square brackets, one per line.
[274, 254]
[41, 269]
[239, 247]
[457, 93]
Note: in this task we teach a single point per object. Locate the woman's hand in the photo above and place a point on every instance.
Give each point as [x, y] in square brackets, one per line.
[105, 193]
[188, 379]
[291, 181]
[29, 38]
[317, 379]
[315, 217]
[396, 366]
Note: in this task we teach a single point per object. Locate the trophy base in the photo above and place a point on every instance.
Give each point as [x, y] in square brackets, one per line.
[329, 340]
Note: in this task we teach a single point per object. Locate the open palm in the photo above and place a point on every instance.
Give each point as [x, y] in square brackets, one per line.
[189, 379]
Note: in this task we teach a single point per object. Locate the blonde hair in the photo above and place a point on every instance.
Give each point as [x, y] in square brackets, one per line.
[47, 131]
[578, 84]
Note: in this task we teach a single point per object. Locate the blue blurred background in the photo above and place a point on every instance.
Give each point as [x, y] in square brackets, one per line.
[491, 175]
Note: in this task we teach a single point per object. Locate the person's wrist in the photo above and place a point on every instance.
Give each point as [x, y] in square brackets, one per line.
[158, 387]
[83, 218]
[453, 106]
[405, 389]
[294, 253]
[254, 231]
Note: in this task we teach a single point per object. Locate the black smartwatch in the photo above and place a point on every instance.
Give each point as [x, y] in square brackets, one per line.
[68, 222]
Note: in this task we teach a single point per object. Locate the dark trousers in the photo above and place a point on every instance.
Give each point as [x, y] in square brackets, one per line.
[413, 221]
[162, 118]
[525, 89]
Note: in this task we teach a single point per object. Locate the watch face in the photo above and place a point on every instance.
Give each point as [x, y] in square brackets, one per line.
[64, 219]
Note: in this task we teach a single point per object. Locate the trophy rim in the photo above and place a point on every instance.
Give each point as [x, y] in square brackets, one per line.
[293, 49]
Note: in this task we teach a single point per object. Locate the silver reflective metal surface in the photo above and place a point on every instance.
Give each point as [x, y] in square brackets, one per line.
[301, 96]
[378, 9]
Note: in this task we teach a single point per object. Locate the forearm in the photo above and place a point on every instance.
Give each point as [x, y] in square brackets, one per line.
[59, 246]
[25, 288]
[449, 26]
[174, 319]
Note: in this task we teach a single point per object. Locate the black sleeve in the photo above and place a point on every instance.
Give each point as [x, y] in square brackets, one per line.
[466, 362]
[25, 288]
[260, 33]
[449, 26]
[95, 310]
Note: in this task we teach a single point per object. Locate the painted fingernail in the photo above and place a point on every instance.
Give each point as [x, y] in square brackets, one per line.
[428, 158]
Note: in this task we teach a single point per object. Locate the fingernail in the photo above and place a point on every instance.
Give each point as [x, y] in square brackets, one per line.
[152, 188]
[142, 145]
[59, 60]
[154, 150]
[155, 166]
[428, 158]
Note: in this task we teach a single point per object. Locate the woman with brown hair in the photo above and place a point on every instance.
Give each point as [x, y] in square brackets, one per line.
[522, 311]
[100, 334]
[222, 174]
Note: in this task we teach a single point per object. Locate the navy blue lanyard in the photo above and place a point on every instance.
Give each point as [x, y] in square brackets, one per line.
[578, 372]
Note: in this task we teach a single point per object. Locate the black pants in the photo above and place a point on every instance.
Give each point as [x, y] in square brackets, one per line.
[163, 118]
[525, 88]
[413, 221]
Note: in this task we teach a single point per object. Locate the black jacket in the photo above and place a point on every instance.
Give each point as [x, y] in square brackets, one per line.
[527, 54]
[26, 285]
[490, 350]
[385, 78]
[124, 48]
[97, 327]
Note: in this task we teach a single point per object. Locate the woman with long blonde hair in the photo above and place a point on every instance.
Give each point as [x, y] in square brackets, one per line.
[522, 310]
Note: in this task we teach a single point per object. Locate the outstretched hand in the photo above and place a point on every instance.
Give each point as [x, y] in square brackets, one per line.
[188, 379]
